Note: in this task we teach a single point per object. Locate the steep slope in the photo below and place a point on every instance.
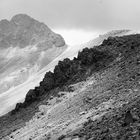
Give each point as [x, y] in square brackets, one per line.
[111, 71]
[26, 46]
[9, 98]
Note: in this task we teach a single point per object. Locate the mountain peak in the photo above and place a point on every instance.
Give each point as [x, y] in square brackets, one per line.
[22, 19]
[20, 16]
[22, 30]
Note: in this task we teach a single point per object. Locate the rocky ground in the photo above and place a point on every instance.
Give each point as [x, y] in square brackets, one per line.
[105, 105]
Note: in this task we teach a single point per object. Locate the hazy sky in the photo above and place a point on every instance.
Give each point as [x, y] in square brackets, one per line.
[82, 15]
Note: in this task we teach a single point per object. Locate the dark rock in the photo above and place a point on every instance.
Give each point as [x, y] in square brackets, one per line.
[18, 106]
[48, 81]
[128, 119]
[61, 137]
[30, 96]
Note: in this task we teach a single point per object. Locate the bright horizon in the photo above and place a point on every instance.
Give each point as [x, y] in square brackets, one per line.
[77, 37]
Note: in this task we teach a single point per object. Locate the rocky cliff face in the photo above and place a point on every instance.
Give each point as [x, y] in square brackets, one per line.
[26, 46]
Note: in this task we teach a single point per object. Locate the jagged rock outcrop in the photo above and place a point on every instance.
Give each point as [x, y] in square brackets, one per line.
[68, 71]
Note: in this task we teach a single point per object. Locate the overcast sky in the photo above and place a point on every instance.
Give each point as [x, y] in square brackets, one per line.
[87, 15]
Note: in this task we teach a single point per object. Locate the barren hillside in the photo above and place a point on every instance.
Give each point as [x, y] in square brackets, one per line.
[93, 96]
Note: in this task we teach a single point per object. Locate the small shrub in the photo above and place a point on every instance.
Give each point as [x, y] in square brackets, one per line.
[61, 137]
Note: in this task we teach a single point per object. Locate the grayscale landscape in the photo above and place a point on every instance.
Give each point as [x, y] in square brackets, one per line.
[69, 70]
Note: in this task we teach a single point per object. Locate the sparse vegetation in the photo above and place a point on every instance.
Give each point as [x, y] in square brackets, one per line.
[62, 137]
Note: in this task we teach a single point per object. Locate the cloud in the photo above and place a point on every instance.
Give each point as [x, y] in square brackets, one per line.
[81, 14]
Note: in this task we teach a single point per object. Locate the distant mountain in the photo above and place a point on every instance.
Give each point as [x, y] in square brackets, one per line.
[22, 31]
[26, 46]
